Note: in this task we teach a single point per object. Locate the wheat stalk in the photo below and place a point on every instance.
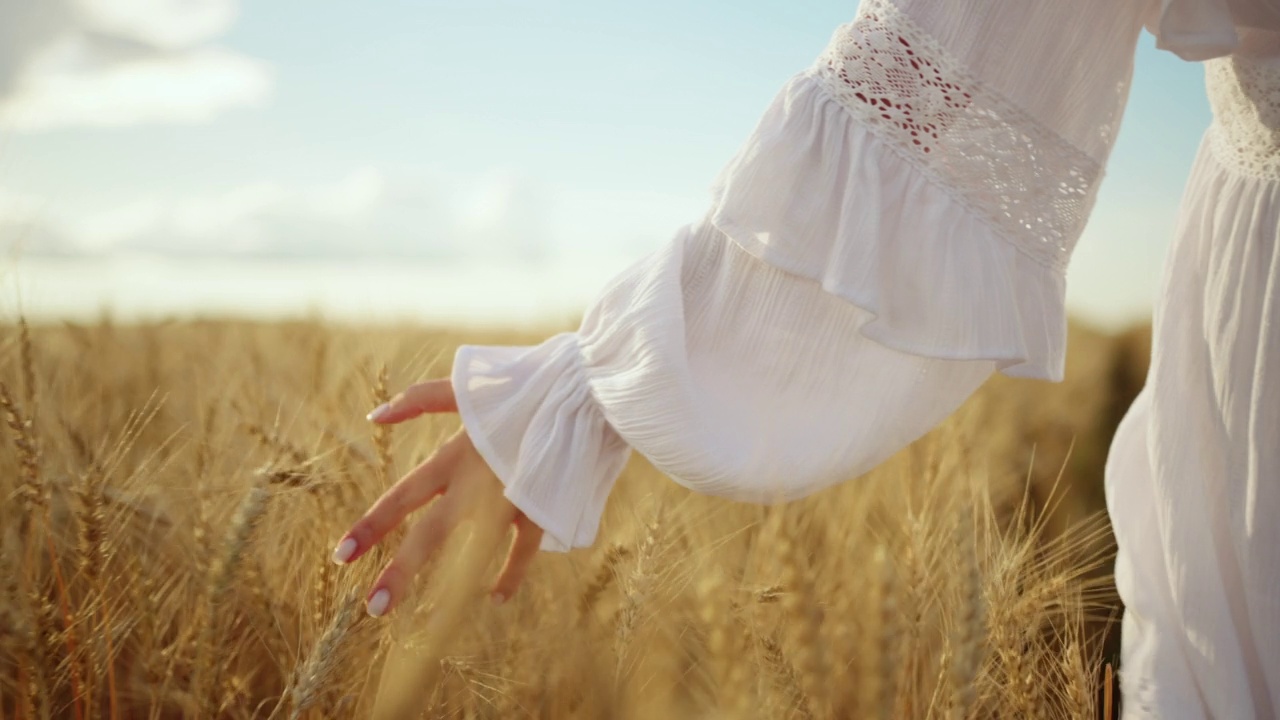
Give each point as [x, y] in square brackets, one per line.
[970, 625]
[31, 493]
[93, 549]
[803, 627]
[604, 575]
[1106, 696]
[638, 586]
[322, 665]
[28, 363]
[239, 532]
[382, 433]
[885, 682]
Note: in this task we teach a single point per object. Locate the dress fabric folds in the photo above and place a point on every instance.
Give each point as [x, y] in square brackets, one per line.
[897, 228]
[1193, 482]
[1194, 29]
[724, 371]
[964, 293]
[1207, 29]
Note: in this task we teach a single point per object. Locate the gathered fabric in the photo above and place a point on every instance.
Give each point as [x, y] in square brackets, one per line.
[897, 228]
[1193, 481]
[939, 279]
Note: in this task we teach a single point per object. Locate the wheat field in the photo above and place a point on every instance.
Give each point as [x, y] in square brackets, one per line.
[172, 492]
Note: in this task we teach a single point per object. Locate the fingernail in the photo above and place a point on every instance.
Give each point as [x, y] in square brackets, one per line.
[379, 412]
[378, 603]
[344, 551]
[499, 598]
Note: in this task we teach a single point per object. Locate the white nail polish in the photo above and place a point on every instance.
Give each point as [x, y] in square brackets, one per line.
[344, 551]
[379, 412]
[378, 603]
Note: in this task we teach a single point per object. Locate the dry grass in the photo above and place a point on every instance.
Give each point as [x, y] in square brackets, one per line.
[172, 492]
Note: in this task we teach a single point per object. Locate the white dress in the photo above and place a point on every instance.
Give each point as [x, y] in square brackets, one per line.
[1193, 479]
[897, 228]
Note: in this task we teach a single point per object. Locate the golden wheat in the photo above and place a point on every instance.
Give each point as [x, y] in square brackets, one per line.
[173, 492]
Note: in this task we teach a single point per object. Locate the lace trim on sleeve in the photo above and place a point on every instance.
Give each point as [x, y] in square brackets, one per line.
[1026, 181]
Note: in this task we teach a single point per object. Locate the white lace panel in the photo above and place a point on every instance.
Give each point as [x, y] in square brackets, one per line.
[1245, 95]
[1026, 181]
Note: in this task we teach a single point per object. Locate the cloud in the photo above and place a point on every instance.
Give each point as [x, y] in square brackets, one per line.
[363, 215]
[66, 63]
[170, 24]
[506, 214]
[25, 228]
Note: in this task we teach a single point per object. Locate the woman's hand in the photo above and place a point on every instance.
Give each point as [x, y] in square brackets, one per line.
[451, 473]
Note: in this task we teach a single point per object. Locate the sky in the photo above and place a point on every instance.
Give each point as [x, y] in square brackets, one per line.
[493, 161]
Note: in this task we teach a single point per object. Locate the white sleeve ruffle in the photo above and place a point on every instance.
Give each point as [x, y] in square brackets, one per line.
[1205, 29]
[730, 375]
[894, 231]
[819, 194]
[1193, 29]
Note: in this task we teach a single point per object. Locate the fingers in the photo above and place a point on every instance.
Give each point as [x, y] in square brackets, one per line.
[420, 544]
[525, 545]
[412, 492]
[432, 396]
[459, 473]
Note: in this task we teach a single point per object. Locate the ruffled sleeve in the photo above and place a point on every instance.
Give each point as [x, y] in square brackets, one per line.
[733, 377]
[897, 227]
[1193, 29]
[1205, 29]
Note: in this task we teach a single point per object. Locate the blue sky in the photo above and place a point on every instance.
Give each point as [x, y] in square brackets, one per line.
[474, 133]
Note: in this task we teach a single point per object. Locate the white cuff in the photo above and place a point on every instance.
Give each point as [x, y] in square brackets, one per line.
[530, 414]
